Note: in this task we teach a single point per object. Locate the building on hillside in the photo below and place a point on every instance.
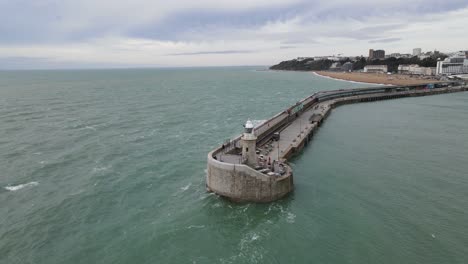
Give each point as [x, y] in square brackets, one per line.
[334, 58]
[376, 69]
[416, 69]
[319, 58]
[465, 63]
[347, 67]
[406, 55]
[376, 54]
[424, 56]
[394, 55]
[457, 59]
[454, 65]
[416, 51]
[336, 66]
[303, 58]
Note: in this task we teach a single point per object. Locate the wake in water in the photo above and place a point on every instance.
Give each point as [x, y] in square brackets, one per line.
[21, 186]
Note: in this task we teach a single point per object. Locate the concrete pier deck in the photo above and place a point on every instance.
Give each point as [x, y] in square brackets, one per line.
[296, 131]
[228, 176]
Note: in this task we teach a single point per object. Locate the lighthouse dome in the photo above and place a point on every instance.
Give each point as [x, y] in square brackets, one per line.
[249, 124]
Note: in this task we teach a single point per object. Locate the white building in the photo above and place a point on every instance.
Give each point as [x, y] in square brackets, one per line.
[424, 56]
[336, 66]
[376, 68]
[416, 69]
[394, 55]
[456, 65]
[319, 58]
[416, 51]
[303, 58]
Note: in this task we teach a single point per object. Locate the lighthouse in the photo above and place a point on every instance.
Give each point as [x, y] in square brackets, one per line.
[249, 143]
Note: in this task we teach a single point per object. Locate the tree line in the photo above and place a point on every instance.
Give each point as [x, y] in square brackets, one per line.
[358, 63]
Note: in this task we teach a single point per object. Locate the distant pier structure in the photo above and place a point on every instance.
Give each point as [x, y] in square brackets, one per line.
[253, 167]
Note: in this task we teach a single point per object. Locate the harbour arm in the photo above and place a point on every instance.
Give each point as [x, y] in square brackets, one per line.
[253, 167]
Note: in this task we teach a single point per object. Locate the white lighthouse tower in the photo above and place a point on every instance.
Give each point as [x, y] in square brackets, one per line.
[249, 143]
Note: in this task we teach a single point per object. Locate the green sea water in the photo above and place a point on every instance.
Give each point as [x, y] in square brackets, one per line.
[108, 166]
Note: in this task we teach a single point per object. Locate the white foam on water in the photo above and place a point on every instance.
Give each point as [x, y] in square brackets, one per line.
[257, 123]
[90, 127]
[269, 209]
[195, 226]
[98, 169]
[21, 186]
[254, 237]
[186, 187]
[290, 218]
[247, 240]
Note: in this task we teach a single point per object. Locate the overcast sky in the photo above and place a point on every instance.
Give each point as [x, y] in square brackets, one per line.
[149, 33]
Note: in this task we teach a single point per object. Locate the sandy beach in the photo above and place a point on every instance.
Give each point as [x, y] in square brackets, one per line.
[378, 78]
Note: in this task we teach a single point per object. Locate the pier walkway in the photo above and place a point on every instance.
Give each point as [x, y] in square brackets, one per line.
[301, 128]
[295, 132]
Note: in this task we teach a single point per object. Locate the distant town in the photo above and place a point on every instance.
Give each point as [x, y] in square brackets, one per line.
[418, 64]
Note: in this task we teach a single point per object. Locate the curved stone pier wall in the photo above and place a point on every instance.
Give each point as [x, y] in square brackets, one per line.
[241, 183]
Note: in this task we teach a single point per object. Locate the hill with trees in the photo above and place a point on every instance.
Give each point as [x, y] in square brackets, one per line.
[359, 63]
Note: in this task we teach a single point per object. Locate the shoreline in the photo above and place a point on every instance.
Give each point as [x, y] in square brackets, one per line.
[317, 73]
[375, 78]
[344, 80]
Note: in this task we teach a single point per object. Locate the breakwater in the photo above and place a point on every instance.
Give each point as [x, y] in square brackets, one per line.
[286, 134]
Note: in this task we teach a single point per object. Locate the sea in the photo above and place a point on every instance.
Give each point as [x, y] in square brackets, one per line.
[108, 166]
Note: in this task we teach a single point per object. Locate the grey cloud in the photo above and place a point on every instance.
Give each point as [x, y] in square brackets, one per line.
[288, 47]
[302, 40]
[366, 33]
[386, 40]
[43, 63]
[381, 28]
[211, 52]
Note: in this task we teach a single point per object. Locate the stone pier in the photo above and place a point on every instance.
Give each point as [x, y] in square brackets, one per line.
[286, 134]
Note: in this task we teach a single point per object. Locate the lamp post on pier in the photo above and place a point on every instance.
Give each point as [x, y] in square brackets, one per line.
[278, 140]
[300, 119]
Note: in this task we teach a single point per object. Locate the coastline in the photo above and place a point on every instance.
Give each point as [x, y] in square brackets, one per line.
[317, 73]
[343, 80]
[375, 78]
